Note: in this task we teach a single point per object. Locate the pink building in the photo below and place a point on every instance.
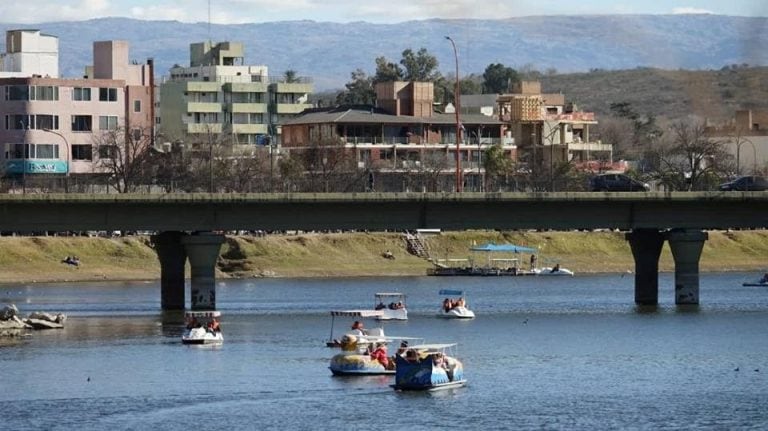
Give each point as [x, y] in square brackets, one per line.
[52, 125]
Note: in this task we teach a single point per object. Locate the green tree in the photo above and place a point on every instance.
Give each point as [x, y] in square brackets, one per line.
[497, 167]
[359, 90]
[498, 78]
[387, 71]
[419, 66]
[290, 75]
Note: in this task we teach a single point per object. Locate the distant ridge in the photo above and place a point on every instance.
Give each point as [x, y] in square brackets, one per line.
[328, 51]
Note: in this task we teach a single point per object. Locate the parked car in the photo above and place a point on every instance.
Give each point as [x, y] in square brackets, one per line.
[616, 183]
[746, 183]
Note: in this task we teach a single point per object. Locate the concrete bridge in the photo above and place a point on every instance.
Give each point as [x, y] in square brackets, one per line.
[187, 223]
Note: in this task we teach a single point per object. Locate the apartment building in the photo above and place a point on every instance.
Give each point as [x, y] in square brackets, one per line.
[53, 126]
[401, 134]
[548, 130]
[219, 95]
[28, 53]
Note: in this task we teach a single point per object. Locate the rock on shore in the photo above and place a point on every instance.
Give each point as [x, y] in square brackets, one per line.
[11, 325]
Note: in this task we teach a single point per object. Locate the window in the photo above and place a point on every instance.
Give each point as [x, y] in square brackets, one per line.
[82, 152]
[16, 92]
[82, 123]
[107, 151]
[81, 93]
[108, 122]
[46, 122]
[136, 135]
[137, 106]
[46, 151]
[44, 92]
[17, 122]
[108, 94]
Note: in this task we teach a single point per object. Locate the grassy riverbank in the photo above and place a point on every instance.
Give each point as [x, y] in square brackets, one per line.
[38, 259]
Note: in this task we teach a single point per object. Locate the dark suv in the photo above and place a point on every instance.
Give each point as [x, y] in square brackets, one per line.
[744, 184]
[616, 183]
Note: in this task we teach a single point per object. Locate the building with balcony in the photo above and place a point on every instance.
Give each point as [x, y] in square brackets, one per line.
[401, 134]
[548, 130]
[219, 94]
[54, 125]
[28, 53]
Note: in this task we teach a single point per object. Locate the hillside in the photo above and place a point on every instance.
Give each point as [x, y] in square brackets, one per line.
[328, 52]
[712, 94]
[38, 259]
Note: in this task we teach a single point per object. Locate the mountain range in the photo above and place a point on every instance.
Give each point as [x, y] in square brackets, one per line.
[328, 52]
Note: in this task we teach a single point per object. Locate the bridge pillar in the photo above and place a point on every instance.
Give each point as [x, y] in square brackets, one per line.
[203, 250]
[646, 248]
[686, 245]
[172, 258]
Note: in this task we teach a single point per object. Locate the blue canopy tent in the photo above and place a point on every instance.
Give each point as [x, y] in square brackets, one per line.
[511, 248]
[508, 248]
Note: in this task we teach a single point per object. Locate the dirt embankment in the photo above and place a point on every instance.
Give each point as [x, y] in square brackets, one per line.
[39, 259]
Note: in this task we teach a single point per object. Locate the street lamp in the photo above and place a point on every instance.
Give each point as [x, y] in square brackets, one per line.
[458, 119]
[66, 178]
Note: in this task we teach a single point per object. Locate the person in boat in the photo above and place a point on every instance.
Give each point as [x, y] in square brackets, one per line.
[403, 347]
[399, 305]
[447, 305]
[556, 268]
[192, 323]
[380, 306]
[412, 356]
[379, 353]
[215, 326]
[357, 328]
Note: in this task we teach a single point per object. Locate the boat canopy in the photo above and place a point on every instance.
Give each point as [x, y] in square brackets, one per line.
[357, 313]
[512, 248]
[202, 314]
[450, 292]
[432, 346]
[390, 294]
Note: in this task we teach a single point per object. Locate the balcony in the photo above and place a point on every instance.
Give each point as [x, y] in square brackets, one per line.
[292, 108]
[291, 87]
[204, 128]
[202, 87]
[248, 108]
[246, 87]
[249, 129]
[205, 107]
[589, 146]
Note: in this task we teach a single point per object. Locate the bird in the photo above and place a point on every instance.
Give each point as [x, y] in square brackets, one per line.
[525, 322]
[88, 379]
[736, 369]
[757, 370]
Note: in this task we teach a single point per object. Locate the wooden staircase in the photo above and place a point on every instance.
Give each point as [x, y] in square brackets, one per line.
[416, 245]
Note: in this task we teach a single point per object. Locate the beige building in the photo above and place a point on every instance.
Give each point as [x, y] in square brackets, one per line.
[548, 130]
[218, 94]
[28, 53]
[53, 125]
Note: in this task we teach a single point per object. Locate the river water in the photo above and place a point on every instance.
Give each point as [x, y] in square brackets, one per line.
[543, 353]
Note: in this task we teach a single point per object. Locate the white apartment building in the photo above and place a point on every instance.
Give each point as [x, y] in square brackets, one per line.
[29, 53]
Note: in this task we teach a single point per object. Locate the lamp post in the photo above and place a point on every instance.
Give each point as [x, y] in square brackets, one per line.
[738, 154]
[66, 143]
[457, 96]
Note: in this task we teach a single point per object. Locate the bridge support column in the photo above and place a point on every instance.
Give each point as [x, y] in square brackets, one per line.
[203, 250]
[646, 248]
[686, 248]
[172, 258]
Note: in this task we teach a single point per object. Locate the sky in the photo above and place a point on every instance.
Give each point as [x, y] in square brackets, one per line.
[374, 11]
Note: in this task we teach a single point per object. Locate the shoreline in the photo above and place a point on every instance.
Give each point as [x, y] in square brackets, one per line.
[38, 260]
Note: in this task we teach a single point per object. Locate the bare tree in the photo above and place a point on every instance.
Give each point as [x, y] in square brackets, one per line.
[689, 159]
[125, 156]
